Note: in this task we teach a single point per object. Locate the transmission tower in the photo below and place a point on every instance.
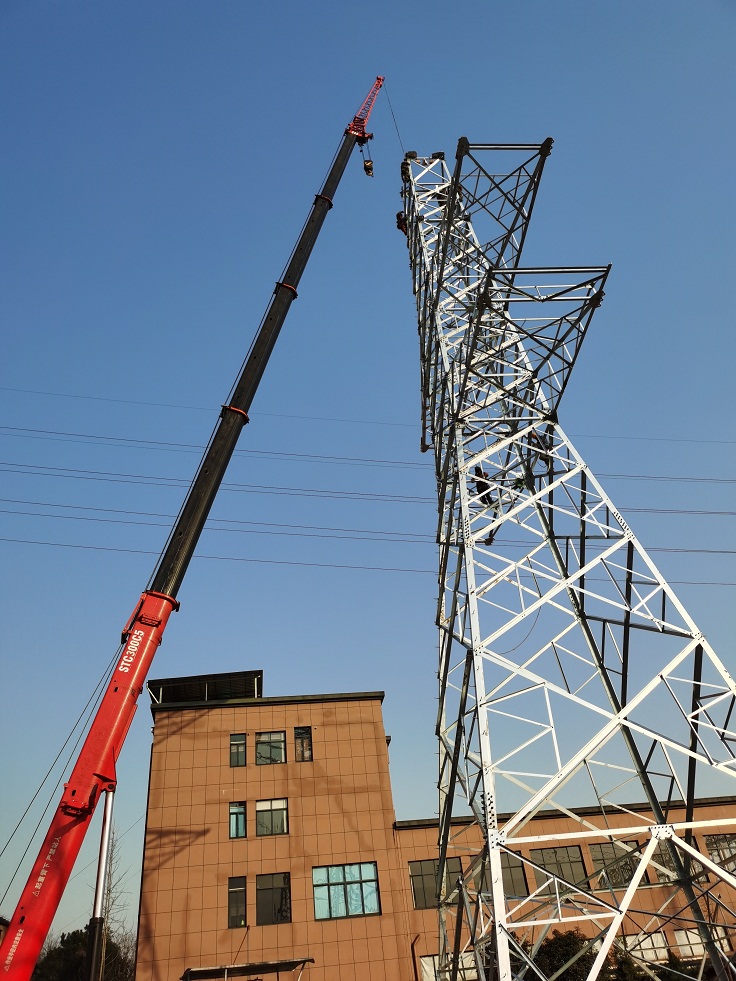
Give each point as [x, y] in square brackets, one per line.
[571, 679]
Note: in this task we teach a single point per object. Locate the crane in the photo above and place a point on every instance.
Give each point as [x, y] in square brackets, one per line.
[94, 772]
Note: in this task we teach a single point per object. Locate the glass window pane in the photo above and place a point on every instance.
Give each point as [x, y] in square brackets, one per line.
[270, 747]
[722, 850]
[514, 876]
[237, 749]
[272, 817]
[273, 898]
[614, 867]
[355, 899]
[236, 902]
[564, 862]
[237, 819]
[303, 744]
[344, 890]
[337, 901]
[321, 903]
[370, 897]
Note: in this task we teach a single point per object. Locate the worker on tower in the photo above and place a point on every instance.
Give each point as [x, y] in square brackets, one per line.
[483, 490]
[482, 487]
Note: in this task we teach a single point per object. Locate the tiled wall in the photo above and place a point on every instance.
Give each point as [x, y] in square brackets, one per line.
[340, 811]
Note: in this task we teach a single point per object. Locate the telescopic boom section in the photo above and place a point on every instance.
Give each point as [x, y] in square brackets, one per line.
[94, 770]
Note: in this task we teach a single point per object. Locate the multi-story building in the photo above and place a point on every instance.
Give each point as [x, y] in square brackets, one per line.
[272, 845]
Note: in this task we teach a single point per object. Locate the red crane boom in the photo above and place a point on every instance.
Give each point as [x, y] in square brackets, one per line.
[94, 771]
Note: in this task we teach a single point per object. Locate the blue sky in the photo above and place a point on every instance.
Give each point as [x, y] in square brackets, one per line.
[160, 158]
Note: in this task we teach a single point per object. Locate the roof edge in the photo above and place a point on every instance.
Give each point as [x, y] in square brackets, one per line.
[359, 696]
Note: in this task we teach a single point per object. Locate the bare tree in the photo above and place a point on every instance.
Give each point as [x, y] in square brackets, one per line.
[118, 938]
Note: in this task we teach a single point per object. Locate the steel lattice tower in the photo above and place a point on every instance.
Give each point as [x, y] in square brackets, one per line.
[571, 679]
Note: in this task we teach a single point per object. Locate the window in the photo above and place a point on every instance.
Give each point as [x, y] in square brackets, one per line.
[270, 747]
[467, 971]
[273, 898]
[564, 862]
[303, 744]
[237, 819]
[691, 943]
[237, 749]
[614, 866]
[423, 875]
[722, 850]
[272, 817]
[667, 871]
[345, 890]
[236, 902]
[648, 947]
[514, 877]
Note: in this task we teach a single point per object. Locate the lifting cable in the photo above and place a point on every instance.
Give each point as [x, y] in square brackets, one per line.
[401, 142]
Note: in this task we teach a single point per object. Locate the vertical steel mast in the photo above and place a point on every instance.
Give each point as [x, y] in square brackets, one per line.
[571, 679]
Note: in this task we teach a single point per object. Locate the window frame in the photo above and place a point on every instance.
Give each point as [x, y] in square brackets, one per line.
[721, 849]
[423, 879]
[261, 741]
[238, 744]
[513, 875]
[556, 862]
[620, 861]
[271, 811]
[303, 744]
[667, 873]
[266, 901]
[511, 868]
[237, 810]
[429, 965]
[234, 911]
[651, 948]
[691, 945]
[335, 886]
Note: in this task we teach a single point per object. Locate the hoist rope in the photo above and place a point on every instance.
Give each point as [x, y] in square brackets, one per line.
[401, 143]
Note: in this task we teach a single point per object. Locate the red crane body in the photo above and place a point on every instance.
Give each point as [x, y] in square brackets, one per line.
[94, 771]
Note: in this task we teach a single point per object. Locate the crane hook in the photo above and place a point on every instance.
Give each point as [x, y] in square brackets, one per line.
[367, 163]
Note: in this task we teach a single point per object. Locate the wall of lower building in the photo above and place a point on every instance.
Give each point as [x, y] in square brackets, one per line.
[340, 813]
[335, 814]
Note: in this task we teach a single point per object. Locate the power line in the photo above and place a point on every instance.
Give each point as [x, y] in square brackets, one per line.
[360, 422]
[226, 558]
[76, 473]
[291, 562]
[359, 537]
[207, 408]
[322, 458]
[236, 521]
[299, 531]
[107, 476]
[158, 445]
